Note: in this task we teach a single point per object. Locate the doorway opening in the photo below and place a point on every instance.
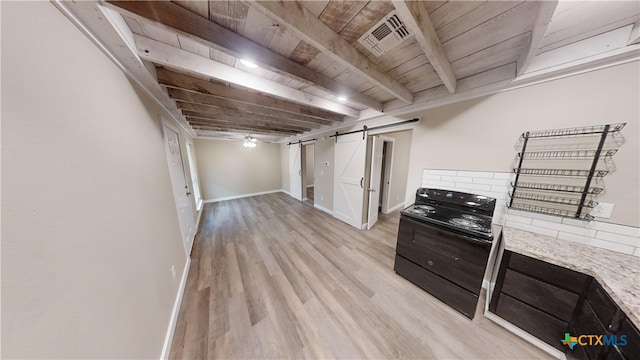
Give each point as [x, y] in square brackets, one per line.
[380, 160]
[308, 175]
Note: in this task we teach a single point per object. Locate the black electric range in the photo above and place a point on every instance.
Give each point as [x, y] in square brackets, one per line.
[444, 240]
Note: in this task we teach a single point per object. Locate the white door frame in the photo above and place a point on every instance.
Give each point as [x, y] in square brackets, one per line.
[188, 241]
[193, 170]
[388, 172]
[375, 173]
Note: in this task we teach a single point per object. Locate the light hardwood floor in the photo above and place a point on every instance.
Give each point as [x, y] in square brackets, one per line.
[272, 277]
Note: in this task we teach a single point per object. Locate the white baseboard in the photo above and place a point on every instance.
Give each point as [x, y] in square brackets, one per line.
[241, 196]
[363, 226]
[330, 212]
[174, 313]
[285, 191]
[308, 186]
[305, 198]
[394, 208]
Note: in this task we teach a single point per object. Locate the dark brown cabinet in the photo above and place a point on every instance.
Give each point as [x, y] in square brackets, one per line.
[536, 296]
[548, 301]
[598, 314]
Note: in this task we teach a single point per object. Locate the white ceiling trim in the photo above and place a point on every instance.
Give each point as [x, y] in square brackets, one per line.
[171, 56]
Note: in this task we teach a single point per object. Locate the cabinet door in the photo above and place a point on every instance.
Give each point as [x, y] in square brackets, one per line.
[632, 349]
[602, 305]
[587, 322]
[550, 273]
[548, 298]
[537, 323]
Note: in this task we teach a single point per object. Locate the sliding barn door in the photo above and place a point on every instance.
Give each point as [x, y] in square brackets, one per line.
[295, 172]
[348, 183]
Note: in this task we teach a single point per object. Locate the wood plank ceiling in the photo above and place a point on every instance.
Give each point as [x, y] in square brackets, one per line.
[312, 70]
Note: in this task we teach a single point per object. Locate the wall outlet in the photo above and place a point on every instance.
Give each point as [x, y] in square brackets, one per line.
[173, 271]
[326, 163]
[321, 172]
[603, 210]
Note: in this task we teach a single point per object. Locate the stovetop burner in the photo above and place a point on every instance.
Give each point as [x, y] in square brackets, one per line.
[417, 211]
[471, 217]
[424, 207]
[467, 223]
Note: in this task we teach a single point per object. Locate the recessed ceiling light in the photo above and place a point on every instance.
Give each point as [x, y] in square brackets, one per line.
[342, 98]
[248, 63]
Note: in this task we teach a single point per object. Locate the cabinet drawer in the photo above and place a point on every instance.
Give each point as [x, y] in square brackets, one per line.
[537, 323]
[632, 349]
[548, 298]
[549, 273]
[601, 303]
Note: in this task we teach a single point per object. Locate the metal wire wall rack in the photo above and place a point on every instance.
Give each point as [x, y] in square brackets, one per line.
[546, 196]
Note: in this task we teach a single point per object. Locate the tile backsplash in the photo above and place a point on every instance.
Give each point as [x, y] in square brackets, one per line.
[620, 238]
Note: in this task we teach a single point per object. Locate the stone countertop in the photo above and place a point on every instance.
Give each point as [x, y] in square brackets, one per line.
[619, 274]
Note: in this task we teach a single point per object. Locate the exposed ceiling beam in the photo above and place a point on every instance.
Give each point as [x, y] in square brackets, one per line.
[243, 115]
[211, 34]
[196, 98]
[194, 110]
[634, 38]
[241, 132]
[312, 30]
[201, 121]
[176, 80]
[168, 55]
[245, 128]
[540, 25]
[416, 18]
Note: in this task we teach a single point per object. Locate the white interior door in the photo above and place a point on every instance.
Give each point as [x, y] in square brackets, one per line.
[180, 188]
[348, 181]
[374, 181]
[295, 172]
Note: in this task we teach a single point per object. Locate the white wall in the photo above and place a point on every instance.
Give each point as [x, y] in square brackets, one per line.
[284, 166]
[228, 169]
[481, 134]
[89, 223]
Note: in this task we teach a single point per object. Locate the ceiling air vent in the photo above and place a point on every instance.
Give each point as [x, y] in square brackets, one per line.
[385, 35]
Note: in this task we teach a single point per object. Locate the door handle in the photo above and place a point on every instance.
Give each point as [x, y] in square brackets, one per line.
[362, 183]
[372, 190]
[299, 172]
[188, 193]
